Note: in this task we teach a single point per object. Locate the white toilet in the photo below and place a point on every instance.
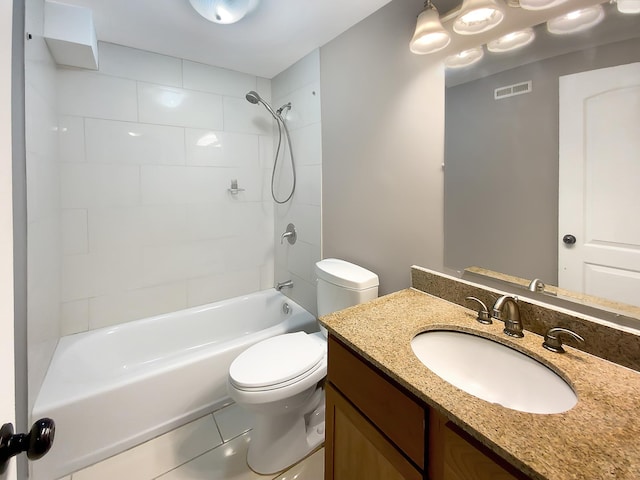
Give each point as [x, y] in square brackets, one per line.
[280, 379]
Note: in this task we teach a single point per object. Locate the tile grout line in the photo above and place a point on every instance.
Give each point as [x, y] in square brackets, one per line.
[191, 459]
[217, 427]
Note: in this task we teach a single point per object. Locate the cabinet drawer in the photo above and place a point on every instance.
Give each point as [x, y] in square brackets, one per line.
[395, 413]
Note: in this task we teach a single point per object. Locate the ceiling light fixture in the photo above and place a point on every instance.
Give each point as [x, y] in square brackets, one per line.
[224, 11]
[540, 4]
[512, 41]
[628, 6]
[576, 21]
[464, 58]
[430, 36]
[477, 16]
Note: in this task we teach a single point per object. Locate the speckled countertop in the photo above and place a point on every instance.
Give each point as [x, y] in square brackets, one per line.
[598, 439]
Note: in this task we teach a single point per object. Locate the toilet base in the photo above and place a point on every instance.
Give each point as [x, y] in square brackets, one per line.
[278, 442]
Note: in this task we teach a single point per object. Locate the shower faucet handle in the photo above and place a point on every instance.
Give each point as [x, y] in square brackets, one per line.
[290, 234]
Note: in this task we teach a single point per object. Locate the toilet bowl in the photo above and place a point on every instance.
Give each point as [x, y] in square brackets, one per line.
[285, 396]
[281, 379]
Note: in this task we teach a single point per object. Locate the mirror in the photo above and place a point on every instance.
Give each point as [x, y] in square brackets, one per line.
[502, 161]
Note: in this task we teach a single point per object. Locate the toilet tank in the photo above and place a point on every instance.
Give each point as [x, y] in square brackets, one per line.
[341, 284]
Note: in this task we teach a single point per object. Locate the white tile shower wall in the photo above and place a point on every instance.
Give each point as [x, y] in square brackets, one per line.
[300, 85]
[148, 150]
[43, 202]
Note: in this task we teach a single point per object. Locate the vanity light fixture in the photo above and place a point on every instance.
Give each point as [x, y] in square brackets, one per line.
[430, 36]
[478, 16]
[224, 11]
[628, 6]
[464, 58]
[540, 4]
[576, 21]
[511, 41]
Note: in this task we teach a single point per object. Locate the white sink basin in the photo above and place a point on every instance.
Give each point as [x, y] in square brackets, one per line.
[493, 372]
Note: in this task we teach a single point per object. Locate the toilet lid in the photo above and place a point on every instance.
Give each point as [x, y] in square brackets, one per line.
[276, 360]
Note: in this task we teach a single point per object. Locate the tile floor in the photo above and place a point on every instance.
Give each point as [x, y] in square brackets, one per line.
[213, 447]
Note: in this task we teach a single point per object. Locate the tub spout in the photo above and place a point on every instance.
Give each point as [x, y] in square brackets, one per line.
[281, 285]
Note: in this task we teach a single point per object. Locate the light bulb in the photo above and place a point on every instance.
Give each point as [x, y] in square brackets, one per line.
[628, 6]
[430, 36]
[540, 4]
[511, 41]
[223, 11]
[576, 21]
[477, 16]
[464, 58]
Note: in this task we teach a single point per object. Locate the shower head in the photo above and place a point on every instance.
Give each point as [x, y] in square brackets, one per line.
[253, 97]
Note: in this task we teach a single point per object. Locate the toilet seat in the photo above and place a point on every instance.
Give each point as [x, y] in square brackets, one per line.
[277, 362]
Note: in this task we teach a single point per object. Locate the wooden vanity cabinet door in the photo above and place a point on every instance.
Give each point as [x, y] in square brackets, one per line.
[356, 450]
[454, 455]
[400, 417]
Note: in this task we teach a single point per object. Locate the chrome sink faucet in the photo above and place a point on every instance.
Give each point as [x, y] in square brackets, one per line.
[506, 309]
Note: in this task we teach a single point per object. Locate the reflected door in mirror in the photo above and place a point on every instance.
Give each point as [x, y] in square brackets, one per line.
[599, 199]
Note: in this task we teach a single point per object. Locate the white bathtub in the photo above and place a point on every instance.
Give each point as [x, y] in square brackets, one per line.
[110, 389]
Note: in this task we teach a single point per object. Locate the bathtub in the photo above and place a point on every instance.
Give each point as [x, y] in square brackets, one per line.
[112, 388]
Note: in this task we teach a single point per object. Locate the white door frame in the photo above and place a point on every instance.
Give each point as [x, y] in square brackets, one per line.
[7, 370]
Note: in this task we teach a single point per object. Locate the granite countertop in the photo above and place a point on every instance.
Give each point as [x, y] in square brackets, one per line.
[599, 438]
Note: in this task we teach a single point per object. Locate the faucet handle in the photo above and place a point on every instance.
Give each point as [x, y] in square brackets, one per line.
[483, 314]
[553, 342]
[290, 234]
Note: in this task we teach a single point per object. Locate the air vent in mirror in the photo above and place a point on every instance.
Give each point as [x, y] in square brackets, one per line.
[511, 90]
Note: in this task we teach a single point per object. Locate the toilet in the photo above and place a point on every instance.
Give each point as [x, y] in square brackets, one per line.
[280, 379]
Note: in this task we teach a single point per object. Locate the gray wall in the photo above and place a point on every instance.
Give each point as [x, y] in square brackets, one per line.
[501, 181]
[382, 148]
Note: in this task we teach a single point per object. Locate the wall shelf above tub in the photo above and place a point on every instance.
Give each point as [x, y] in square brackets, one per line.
[71, 35]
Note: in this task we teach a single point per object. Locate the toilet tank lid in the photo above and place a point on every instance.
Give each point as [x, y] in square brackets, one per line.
[345, 274]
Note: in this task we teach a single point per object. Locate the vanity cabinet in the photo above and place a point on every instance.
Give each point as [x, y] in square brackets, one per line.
[454, 455]
[376, 430]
